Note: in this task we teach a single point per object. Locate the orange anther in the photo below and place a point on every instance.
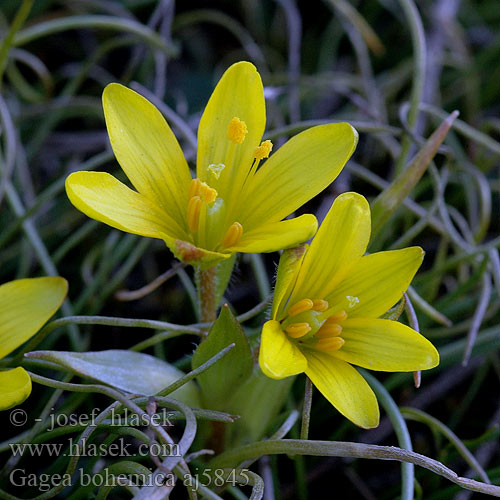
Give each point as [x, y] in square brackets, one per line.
[193, 213]
[301, 306]
[338, 317]
[233, 234]
[329, 330]
[297, 330]
[237, 130]
[194, 188]
[207, 194]
[263, 151]
[330, 344]
[320, 305]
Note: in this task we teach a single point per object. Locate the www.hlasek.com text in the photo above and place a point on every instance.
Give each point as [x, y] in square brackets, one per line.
[82, 448]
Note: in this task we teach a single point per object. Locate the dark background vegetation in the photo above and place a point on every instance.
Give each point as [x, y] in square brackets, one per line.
[319, 60]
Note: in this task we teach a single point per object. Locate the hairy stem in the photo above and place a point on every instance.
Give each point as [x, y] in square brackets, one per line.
[206, 294]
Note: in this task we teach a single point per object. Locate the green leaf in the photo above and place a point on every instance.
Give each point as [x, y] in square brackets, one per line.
[223, 273]
[222, 379]
[129, 371]
[389, 200]
[258, 402]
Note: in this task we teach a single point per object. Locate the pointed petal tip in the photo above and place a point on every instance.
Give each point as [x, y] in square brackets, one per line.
[344, 387]
[385, 345]
[345, 130]
[368, 423]
[419, 253]
[354, 132]
[61, 284]
[113, 89]
[242, 64]
[357, 199]
[433, 359]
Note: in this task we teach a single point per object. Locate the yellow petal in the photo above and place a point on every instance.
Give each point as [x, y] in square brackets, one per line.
[104, 198]
[299, 170]
[339, 243]
[389, 346]
[377, 282]
[275, 236]
[146, 149]
[344, 388]
[15, 387]
[239, 94]
[288, 270]
[278, 357]
[25, 305]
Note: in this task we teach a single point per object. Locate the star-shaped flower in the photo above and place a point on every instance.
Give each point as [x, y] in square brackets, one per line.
[234, 203]
[25, 306]
[326, 309]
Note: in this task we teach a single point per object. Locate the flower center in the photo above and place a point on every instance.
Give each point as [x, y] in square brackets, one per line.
[305, 323]
[199, 193]
[207, 217]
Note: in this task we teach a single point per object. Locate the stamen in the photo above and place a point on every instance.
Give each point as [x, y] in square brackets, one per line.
[300, 307]
[320, 305]
[338, 317]
[207, 194]
[202, 190]
[297, 330]
[329, 330]
[262, 151]
[237, 130]
[193, 213]
[233, 234]
[330, 344]
[194, 188]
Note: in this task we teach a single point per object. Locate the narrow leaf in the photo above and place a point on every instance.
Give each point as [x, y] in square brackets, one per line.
[221, 380]
[390, 199]
[129, 371]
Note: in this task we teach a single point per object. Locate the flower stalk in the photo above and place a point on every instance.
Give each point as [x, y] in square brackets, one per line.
[306, 410]
[207, 293]
[351, 450]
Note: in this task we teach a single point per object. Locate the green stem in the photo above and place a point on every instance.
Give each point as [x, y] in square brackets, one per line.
[401, 430]
[194, 373]
[393, 196]
[350, 450]
[306, 410]
[206, 294]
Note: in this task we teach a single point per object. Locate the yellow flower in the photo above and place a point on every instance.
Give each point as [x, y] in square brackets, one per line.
[325, 312]
[25, 305]
[234, 204]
